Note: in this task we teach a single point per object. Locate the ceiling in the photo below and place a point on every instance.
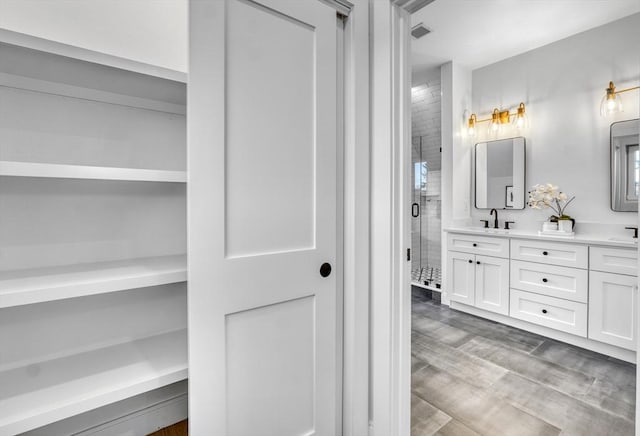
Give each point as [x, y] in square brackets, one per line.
[475, 33]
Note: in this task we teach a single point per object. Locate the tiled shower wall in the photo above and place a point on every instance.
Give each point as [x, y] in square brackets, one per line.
[426, 142]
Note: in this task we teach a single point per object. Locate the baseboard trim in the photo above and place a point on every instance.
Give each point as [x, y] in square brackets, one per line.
[144, 421]
[589, 344]
[138, 415]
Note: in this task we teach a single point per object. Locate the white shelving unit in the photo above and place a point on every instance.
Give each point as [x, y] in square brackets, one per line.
[92, 272]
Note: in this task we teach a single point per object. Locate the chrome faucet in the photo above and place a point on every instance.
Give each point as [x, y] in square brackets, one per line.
[495, 222]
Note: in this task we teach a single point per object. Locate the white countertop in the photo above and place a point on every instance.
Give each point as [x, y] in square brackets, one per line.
[579, 238]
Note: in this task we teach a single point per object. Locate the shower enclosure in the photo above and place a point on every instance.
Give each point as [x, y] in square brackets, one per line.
[426, 234]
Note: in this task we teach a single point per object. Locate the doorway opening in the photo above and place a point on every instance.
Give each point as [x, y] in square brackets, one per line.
[479, 367]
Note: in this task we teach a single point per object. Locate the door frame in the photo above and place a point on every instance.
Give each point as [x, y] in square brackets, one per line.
[356, 228]
[377, 300]
[390, 219]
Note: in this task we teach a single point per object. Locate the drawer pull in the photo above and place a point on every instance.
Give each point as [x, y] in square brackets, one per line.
[478, 262]
[545, 280]
[545, 253]
[475, 245]
[470, 261]
[544, 310]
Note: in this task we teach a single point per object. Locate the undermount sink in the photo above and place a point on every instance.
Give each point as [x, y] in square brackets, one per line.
[488, 230]
[627, 240]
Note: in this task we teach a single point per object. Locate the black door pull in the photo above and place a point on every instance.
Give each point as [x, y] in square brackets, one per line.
[325, 269]
[415, 210]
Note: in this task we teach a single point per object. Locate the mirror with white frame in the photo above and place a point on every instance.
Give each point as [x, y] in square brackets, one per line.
[500, 174]
[625, 166]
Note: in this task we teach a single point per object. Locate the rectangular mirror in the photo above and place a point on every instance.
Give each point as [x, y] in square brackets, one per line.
[625, 166]
[500, 174]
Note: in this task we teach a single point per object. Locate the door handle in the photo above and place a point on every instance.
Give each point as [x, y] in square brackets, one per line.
[415, 210]
[325, 269]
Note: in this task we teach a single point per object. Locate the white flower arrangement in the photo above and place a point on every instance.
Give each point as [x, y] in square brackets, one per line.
[548, 196]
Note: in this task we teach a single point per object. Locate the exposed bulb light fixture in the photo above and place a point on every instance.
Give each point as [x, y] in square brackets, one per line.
[520, 120]
[471, 125]
[611, 103]
[494, 125]
[498, 119]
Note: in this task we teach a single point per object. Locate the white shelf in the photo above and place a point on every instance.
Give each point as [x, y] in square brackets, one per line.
[59, 171]
[82, 54]
[65, 90]
[43, 393]
[48, 284]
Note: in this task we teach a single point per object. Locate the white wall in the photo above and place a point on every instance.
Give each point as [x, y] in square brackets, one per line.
[456, 154]
[567, 140]
[149, 31]
[421, 76]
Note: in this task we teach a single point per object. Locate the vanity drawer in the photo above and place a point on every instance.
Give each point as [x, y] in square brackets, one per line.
[554, 253]
[497, 247]
[555, 281]
[555, 313]
[614, 260]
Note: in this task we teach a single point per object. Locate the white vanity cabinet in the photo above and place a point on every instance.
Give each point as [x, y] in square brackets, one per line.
[613, 295]
[581, 291]
[549, 284]
[476, 279]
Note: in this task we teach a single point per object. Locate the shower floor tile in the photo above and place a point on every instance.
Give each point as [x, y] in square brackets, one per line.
[428, 275]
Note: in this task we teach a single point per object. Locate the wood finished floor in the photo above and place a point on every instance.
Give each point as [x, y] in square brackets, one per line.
[471, 376]
[178, 429]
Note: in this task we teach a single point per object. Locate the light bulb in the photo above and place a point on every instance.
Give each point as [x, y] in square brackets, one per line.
[471, 131]
[494, 125]
[611, 102]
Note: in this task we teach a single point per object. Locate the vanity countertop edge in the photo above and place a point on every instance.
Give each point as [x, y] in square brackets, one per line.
[585, 239]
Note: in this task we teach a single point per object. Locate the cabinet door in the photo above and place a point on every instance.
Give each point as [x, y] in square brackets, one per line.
[460, 269]
[612, 309]
[492, 284]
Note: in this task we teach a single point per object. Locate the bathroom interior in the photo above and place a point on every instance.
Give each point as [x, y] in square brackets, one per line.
[523, 323]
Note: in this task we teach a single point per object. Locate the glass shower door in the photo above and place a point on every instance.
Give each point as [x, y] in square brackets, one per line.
[426, 211]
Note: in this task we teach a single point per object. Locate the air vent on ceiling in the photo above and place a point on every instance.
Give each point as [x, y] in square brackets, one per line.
[418, 31]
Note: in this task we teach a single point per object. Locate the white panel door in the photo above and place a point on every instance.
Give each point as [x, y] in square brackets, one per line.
[613, 304]
[263, 322]
[461, 267]
[492, 284]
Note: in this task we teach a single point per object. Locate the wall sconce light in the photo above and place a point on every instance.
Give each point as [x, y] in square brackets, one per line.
[498, 118]
[611, 103]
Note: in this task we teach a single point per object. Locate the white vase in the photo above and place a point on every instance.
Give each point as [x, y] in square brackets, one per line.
[565, 226]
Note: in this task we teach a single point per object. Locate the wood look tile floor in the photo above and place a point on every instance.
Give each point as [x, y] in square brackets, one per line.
[472, 376]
